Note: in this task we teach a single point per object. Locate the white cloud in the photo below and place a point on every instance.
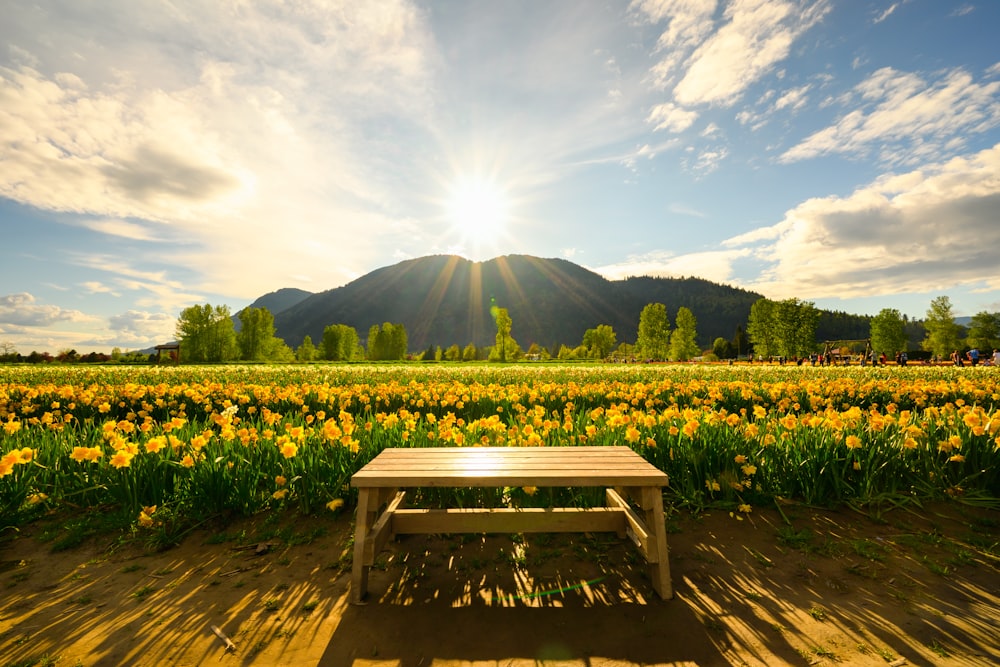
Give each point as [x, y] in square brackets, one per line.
[714, 265]
[142, 327]
[906, 119]
[793, 99]
[235, 159]
[21, 310]
[670, 117]
[929, 229]
[757, 35]
[887, 13]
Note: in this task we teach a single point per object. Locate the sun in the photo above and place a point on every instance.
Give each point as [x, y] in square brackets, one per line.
[477, 209]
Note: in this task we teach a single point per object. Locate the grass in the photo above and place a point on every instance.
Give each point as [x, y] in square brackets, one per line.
[143, 592]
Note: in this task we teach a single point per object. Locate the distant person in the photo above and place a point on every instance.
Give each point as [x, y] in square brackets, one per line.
[973, 356]
[956, 358]
[996, 357]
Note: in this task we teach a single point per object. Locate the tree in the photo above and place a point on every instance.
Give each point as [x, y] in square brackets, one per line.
[599, 341]
[984, 331]
[740, 344]
[256, 337]
[340, 343]
[888, 332]
[942, 331]
[783, 328]
[470, 353]
[388, 342]
[453, 353]
[506, 347]
[306, 351]
[722, 348]
[206, 333]
[684, 339]
[654, 332]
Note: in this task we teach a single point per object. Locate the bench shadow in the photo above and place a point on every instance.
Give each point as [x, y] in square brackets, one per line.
[498, 599]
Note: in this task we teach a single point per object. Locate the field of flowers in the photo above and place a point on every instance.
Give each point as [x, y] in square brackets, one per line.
[172, 446]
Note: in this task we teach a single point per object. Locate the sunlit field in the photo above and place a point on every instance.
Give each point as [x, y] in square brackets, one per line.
[161, 448]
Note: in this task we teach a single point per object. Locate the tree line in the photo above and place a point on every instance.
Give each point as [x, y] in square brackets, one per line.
[784, 328]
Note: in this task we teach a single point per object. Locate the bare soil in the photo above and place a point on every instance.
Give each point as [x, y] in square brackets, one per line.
[795, 586]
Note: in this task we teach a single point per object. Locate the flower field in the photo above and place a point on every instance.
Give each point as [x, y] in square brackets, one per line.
[158, 446]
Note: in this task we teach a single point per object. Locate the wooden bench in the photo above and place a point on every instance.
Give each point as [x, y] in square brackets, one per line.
[627, 477]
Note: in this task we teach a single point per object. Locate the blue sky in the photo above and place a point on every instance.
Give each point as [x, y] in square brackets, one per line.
[155, 155]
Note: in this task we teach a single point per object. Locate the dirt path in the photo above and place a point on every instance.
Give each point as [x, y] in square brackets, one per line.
[830, 587]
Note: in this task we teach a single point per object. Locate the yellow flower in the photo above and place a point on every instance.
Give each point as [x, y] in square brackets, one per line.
[335, 504]
[740, 459]
[36, 498]
[187, 461]
[690, 427]
[11, 427]
[852, 442]
[155, 444]
[279, 494]
[749, 469]
[93, 453]
[280, 480]
[530, 490]
[121, 459]
[857, 466]
[289, 450]
[632, 434]
[957, 458]
[746, 509]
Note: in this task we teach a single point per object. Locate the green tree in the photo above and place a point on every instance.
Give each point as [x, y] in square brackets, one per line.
[470, 353]
[783, 328]
[340, 342]
[654, 332]
[722, 348]
[984, 331]
[206, 333]
[506, 347]
[255, 339]
[388, 342]
[683, 341]
[453, 353]
[942, 331]
[888, 332]
[760, 329]
[740, 344]
[306, 351]
[599, 341]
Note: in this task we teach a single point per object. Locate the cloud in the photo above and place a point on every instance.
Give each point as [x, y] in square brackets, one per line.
[259, 133]
[122, 229]
[670, 117]
[793, 99]
[929, 229]
[887, 13]
[714, 265]
[906, 119]
[754, 37]
[142, 326]
[21, 310]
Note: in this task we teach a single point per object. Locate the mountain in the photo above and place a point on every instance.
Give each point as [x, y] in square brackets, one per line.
[445, 300]
[280, 300]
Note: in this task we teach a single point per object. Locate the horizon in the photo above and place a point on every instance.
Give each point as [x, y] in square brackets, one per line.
[159, 156]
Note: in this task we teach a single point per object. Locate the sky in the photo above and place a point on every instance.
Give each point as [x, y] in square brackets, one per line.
[155, 155]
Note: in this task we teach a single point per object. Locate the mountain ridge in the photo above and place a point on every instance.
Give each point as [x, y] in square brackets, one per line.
[445, 300]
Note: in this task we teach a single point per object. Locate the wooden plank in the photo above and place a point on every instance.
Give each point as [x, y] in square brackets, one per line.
[382, 532]
[509, 466]
[363, 521]
[509, 520]
[658, 558]
[636, 529]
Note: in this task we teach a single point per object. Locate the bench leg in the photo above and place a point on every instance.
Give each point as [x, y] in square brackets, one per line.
[659, 556]
[367, 508]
